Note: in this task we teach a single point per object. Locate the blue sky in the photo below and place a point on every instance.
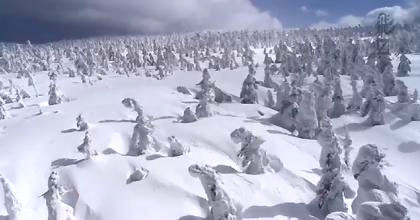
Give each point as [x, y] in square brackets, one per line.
[290, 12]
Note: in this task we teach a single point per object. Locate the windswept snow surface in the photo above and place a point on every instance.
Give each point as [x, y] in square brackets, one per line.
[32, 144]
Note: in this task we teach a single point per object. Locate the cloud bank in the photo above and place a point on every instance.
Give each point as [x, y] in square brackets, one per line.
[400, 15]
[82, 18]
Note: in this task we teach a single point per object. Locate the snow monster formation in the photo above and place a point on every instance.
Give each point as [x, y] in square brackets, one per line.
[377, 197]
[221, 206]
[306, 118]
[331, 192]
[57, 209]
[254, 159]
[142, 140]
[11, 202]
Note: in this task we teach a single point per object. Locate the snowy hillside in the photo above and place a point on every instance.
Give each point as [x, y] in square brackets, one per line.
[40, 138]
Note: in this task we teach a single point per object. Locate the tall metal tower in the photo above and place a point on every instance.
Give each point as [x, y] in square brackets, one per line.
[384, 27]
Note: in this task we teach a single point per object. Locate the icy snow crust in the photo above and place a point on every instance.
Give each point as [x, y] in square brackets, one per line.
[33, 144]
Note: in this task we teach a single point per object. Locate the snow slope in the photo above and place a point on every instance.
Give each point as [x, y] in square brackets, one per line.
[34, 144]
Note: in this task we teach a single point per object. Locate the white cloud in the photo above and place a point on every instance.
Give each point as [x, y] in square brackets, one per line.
[321, 13]
[399, 14]
[350, 20]
[304, 8]
[345, 21]
[147, 16]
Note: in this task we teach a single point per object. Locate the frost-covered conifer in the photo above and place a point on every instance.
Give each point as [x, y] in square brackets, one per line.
[57, 209]
[402, 92]
[268, 81]
[388, 81]
[221, 206]
[54, 97]
[267, 59]
[339, 216]
[415, 96]
[382, 211]
[188, 116]
[132, 104]
[404, 66]
[203, 109]
[383, 62]
[176, 148]
[249, 86]
[138, 174]
[331, 150]
[11, 202]
[81, 124]
[52, 75]
[270, 100]
[86, 147]
[338, 107]
[356, 99]
[373, 184]
[282, 97]
[2, 109]
[142, 139]
[377, 110]
[254, 159]
[306, 118]
[347, 142]
[331, 192]
[374, 105]
[323, 102]
[207, 87]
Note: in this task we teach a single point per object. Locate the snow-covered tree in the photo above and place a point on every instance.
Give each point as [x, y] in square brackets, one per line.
[249, 88]
[283, 92]
[54, 97]
[347, 142]
[142, 139]
[388, 81]
[404, 66]
[331, 192]
[415, 96]
[81, 124]
[254, 159]
[377, 110]
[402, 92]
[138, 174]
[188, 116]
[373, 184]
[339, 216]
[132, 104]
[203, 109]
[356, 99]
[57, 209]
[267, 59]
[323, 100]
[86, 147]
[374, 105]
[268, 80]
[221, 206]
[383, 62]
[176, 148]
[338, 107]
[207, 87]
[331, 149]
[306, 118]
[382, 211]
[2, 109]
[11, 202]
[269, 102]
